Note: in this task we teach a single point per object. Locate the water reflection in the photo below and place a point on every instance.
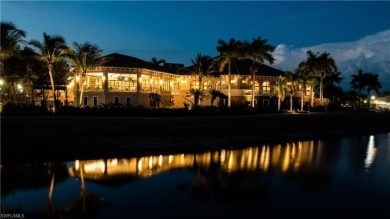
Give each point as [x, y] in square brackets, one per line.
[285, 158]
[370, 154]
[266, 175]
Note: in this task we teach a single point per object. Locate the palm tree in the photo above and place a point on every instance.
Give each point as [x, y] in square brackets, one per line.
[259, 51]
[155, 99]
[84, 56]
[50, 50]
[214, 94]
[330, 88]
[228, 52]
[202, 67]
[307, 76]
[320, 65]
[156, 61]
[198, 95]
[372, 83]
[291, 82]
[11, 38]
[278, 88]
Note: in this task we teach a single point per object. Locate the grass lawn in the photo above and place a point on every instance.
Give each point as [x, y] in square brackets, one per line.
[25, 139]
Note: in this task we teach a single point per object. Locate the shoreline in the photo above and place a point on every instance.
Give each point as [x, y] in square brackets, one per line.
[61, 139]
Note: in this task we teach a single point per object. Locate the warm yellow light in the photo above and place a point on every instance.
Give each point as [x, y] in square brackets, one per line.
[161, 82]
[77, 164]
[140, 79]
[103, 78]
[77, 78]
[1, 82]
[183, 81]
[151, 81]
[372, 97]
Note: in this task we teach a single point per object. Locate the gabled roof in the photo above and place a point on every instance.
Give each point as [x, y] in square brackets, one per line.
[119, 60]
[241, 67]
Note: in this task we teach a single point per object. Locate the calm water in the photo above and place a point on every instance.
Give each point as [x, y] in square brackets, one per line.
[331, 178]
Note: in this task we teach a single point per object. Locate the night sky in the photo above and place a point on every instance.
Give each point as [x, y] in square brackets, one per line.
[177, 30]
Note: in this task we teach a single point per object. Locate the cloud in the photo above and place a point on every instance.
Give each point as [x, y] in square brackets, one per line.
[370, 53]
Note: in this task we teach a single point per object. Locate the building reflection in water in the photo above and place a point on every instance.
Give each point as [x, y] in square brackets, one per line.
[283, 157]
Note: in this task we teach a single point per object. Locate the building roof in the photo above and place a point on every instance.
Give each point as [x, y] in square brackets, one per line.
[119, 60]
[242, 67]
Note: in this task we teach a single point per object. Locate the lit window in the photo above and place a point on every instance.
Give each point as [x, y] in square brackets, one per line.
[194, 85]
[266, 87]
[207, 85]
[220, 85]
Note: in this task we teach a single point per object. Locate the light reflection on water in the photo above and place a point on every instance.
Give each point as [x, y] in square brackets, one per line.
[347, 173]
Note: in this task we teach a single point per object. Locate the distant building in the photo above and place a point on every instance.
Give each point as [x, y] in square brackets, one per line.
[382, 103]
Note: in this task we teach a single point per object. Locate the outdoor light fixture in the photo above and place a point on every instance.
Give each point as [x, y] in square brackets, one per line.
[372, 97]
[77, 78]
[1, 82]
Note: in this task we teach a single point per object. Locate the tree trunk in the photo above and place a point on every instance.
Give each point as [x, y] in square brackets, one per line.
[52, 86]
[321, 91]
[229, 87]
[253, 84]
[82, 87]
[291, 102]
[278, 103]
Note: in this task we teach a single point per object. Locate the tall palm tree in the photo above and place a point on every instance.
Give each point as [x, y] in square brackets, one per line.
[50, 50]
[259, 51]
[291, 82]
[228, 52]
[372, 83]
[358, 82]
[156, 61]
[84, 56]
[330, 88]
[321, 65]
[307, 76]
[11, 38]
[278, 88]
[202, 67]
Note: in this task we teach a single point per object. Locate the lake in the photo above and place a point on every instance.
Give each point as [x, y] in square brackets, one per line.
[338, 177]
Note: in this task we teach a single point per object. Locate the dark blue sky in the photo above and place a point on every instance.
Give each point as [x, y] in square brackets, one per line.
[176, 31]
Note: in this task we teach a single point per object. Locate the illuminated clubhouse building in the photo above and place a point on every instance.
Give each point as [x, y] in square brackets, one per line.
[126, 80]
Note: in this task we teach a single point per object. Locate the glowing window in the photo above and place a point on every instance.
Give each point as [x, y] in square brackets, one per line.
[220, 85]
[207, 85]
[194, 85]
[266, 87]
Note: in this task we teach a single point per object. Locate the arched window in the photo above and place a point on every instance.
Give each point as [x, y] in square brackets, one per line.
[194, 85]
[207, 85]
[266, 87]
[220, 85]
